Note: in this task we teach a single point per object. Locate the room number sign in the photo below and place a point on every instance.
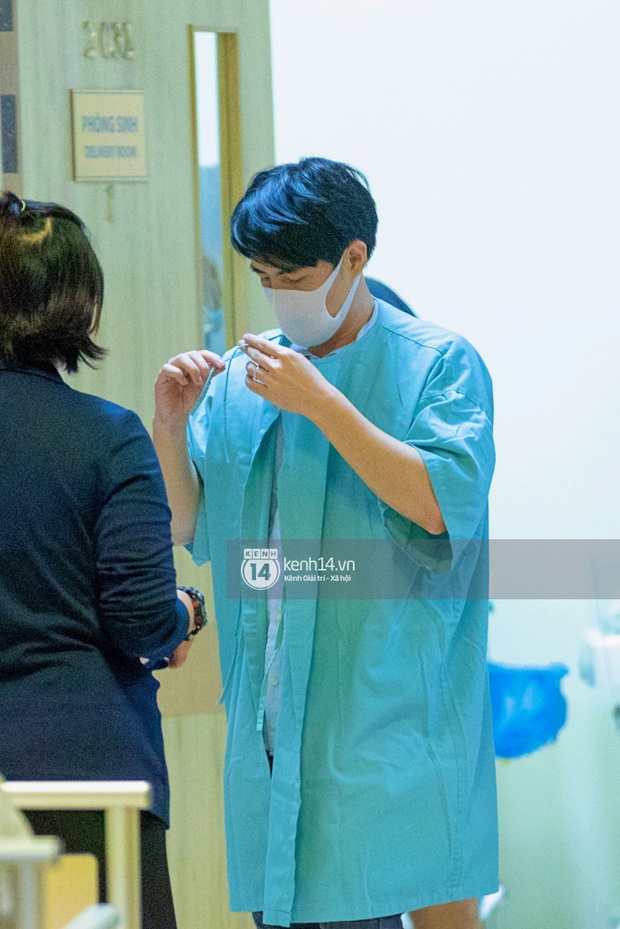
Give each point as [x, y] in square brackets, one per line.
[108, 40]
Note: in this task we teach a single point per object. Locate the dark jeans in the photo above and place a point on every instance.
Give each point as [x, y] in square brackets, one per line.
[383, 922]
[83, 831]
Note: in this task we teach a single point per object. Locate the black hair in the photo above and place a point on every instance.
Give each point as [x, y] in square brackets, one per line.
[294, 215]
[51, 285]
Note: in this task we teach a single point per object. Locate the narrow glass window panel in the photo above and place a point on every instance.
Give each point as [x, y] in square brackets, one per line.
[210, 188]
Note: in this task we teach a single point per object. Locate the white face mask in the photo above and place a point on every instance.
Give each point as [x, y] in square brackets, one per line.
[302, 314]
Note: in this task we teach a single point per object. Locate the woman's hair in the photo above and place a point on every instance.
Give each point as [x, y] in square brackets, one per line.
[51, 285]
[301, 213]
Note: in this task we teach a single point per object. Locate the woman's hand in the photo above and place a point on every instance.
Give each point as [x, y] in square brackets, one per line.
[180, 383]
[179, 655]
[283, 376]
[174, 661]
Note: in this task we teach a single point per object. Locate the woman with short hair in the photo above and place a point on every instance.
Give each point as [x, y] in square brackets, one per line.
[87, 582]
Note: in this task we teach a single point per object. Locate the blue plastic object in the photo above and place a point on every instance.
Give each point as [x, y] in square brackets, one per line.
[529, 708]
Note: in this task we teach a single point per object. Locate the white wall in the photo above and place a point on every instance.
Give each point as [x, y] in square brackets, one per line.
[489, 132]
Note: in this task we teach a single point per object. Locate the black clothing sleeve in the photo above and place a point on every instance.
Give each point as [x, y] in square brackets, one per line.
[138, 606]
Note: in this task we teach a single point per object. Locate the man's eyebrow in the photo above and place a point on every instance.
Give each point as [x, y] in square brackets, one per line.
[291, 270]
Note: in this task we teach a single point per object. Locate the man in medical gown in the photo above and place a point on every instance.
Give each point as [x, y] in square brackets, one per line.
[359, 774]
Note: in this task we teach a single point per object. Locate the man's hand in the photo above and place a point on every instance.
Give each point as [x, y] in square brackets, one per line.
[178, 387]
[180, 383]
[393, 470]
[283, 376]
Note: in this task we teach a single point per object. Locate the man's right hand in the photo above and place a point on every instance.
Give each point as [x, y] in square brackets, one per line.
[180, 383]
[177, 388]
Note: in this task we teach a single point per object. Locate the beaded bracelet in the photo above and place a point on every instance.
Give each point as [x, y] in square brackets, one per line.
[198, 603]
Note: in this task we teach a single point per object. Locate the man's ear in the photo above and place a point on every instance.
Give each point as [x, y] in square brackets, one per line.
[356, 256]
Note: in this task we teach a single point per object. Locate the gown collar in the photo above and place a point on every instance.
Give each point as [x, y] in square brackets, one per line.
[337, 351]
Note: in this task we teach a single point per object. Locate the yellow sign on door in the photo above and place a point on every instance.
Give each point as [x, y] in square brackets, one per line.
[108, 135]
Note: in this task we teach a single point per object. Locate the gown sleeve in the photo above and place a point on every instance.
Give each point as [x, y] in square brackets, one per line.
[452, 429]
[197, 434]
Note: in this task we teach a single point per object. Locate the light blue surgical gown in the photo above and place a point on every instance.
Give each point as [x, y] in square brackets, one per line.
[382, 798]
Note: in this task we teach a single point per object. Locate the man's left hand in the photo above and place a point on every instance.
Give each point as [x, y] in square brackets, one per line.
[283, 377]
